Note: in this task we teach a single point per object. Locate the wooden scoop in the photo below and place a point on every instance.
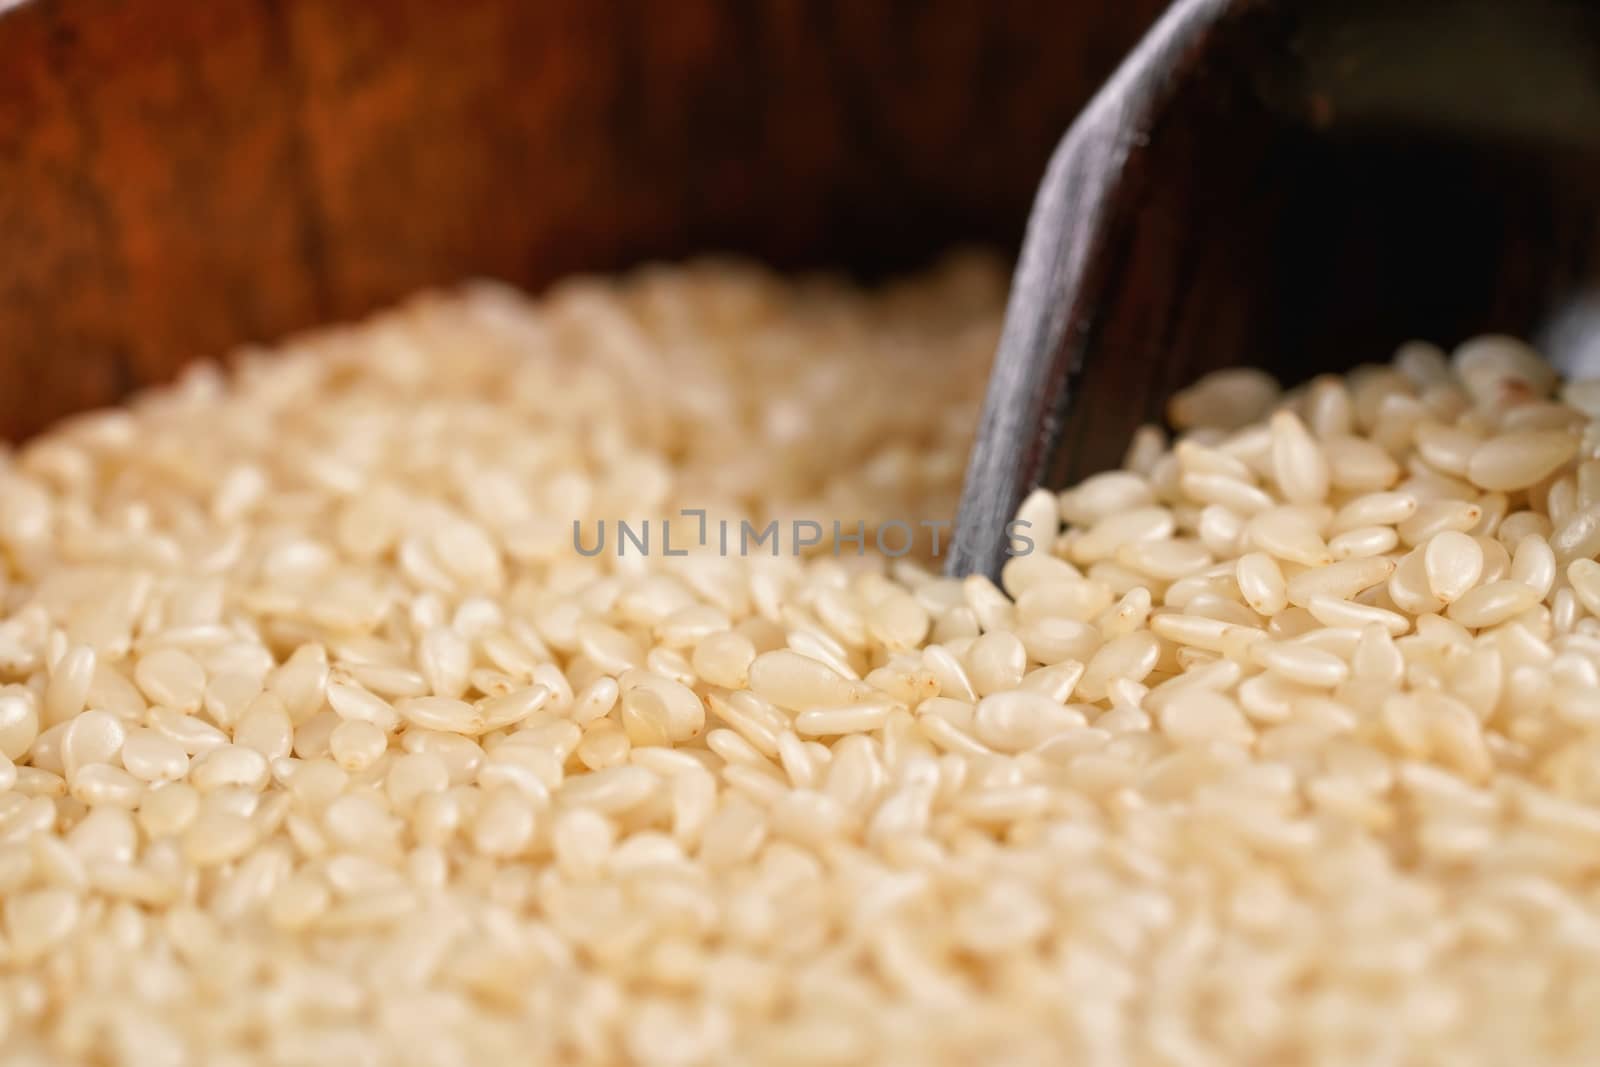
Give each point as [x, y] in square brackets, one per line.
[1298, 186]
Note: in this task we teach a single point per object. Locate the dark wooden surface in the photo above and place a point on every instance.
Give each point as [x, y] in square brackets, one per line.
[1294, 184]
[177, 177]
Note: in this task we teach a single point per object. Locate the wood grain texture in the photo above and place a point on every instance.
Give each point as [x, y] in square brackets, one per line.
[1295, 185]
[177, 178]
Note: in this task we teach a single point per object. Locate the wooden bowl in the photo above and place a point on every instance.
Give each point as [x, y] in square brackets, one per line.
[177, 178]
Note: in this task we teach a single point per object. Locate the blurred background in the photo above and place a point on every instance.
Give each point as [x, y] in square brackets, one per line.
[177, 178]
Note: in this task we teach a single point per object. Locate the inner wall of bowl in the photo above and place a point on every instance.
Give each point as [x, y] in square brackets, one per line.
[176, 179]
